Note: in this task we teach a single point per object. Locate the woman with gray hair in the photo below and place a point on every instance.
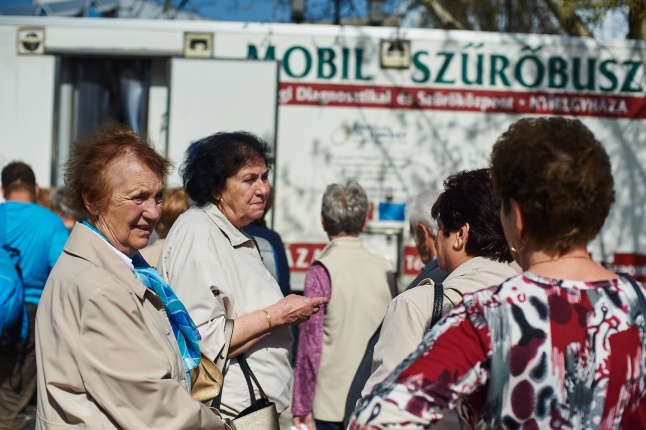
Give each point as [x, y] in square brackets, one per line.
[363, 285]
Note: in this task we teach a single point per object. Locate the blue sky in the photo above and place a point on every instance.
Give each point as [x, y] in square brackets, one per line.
[614, 26]
[258, 10]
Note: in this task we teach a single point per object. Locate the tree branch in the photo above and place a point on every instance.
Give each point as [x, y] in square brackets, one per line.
[446, 19]
[568, 19]
[637, 19]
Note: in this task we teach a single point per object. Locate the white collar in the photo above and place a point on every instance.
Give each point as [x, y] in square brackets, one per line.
[126, 260]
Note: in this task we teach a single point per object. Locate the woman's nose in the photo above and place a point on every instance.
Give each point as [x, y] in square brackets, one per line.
[263, 189]
[152, 209]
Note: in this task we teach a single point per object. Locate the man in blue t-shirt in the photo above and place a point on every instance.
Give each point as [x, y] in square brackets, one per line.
[34, 237]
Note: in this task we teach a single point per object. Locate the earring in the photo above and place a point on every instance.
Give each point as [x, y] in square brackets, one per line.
[522, 246]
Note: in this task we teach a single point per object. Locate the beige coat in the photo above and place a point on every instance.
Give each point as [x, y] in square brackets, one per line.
[106, 354]
[409, 314]
[217, 273]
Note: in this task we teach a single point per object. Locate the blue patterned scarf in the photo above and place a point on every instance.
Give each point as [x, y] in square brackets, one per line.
[184, 329]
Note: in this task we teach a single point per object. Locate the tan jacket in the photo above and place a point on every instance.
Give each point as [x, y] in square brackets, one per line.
[409, 314]
[106, 354]
[360, 293]
[217, 273]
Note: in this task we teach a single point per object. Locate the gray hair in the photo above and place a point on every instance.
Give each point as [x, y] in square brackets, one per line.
[58, 199]
[419, 210]
[344, 208]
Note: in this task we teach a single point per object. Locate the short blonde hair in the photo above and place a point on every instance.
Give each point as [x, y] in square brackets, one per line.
[175, 204]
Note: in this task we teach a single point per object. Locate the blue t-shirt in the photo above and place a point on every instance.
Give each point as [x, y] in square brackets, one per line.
[39, 235]
[11, 295]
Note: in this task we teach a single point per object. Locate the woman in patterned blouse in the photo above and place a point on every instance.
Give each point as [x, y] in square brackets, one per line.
[560, 346]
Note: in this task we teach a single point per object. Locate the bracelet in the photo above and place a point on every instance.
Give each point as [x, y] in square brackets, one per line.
[268, 320]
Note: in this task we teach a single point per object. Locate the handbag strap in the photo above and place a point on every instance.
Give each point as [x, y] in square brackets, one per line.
[221, 359]
[438, 300]
[638, 290]
[248, 375]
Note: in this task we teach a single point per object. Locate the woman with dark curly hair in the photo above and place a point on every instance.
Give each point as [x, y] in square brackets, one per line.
[216, 268]
[563, 344]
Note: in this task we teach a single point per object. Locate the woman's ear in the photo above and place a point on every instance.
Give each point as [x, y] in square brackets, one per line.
[91, 207]
[517, 219]
[461, 238]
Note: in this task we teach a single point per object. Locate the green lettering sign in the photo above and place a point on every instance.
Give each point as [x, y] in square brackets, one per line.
[445, 65]
[425, 71]
[306, 56]
[358, 55]
[608, 74]
[326, 57]
[252, 53]
[479, 70]
[538, 77]
[557, 72]
[630, 76]
[499, 64]
[576, 74]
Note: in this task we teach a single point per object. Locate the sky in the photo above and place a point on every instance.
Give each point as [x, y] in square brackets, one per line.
[257, 10]
[614, 25]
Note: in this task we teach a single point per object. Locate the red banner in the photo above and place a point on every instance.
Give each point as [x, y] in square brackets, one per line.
[632, 264]
[514, 102]
[301, 255]
[412, 264]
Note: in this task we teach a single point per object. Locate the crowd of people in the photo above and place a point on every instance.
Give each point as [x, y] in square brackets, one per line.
[129, 305]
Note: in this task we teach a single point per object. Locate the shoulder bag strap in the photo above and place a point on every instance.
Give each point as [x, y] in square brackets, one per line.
[221, 359]
[638, 290]
[438, 300]
[248, 374]
[3, 225]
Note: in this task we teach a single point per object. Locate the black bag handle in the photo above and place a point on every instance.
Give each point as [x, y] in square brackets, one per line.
[638, 291]
[438, 300]
[248, 375]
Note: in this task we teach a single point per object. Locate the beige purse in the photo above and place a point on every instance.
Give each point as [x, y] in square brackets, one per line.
[262, 414]
[207, 377]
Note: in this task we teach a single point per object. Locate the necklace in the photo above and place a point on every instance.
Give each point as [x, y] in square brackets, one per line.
[587, 257]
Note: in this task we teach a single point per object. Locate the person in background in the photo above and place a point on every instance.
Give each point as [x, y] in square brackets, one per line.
[216, 269]
[114, 345]
[58, 200]
[175, 203]
[43, 198]
[560, 345]
[470, 247]
[424, 231]
[359, 285]
[34, 237]
[280, 268]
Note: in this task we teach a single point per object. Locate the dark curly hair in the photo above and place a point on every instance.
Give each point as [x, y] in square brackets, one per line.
[469, 197]
[560, 176]
[86, 172]
[213, 159]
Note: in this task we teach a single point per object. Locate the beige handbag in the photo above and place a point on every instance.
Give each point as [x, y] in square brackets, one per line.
[262, 414]
[207, 377]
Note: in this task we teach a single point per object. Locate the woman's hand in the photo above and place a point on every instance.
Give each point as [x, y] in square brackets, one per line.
[295, 309]
[307, 421]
